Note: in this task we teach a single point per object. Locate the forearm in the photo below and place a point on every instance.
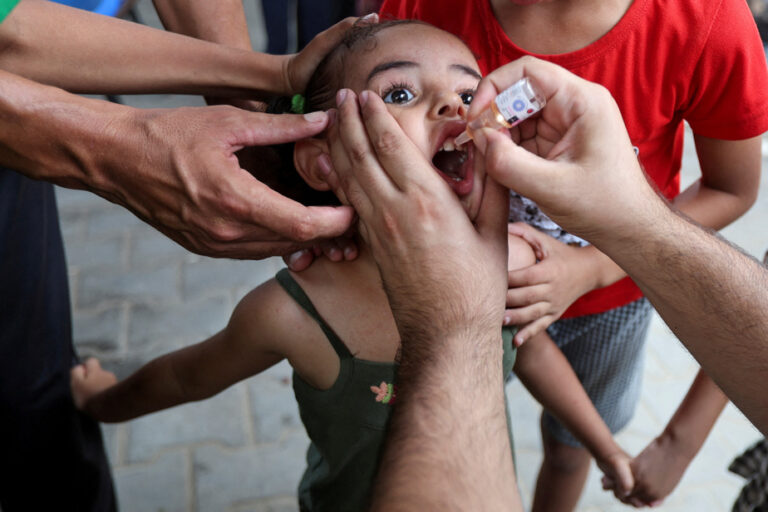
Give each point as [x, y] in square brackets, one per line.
[548, 376]
[49, 134]
[711, 207]
[603, 269]
[88, 53]
[697, 414]
[220, 22]
[448, 398]
[152, 388]
[710, 294]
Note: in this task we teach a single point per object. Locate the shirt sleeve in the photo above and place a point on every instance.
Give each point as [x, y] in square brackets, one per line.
[6, 6]
[729, 85]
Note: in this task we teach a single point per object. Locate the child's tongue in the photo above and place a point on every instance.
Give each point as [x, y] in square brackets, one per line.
[451, 163]
[452, 166]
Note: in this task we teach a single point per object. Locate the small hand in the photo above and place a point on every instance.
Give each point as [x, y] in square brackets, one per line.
[341, 248]
[539, 294]
[658, 469]
[618, 475]
[89, 379]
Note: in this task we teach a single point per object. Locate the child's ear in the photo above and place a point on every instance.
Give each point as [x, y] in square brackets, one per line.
[305, 153]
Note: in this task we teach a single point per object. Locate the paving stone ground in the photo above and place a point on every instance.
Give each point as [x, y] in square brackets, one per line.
[137, 295]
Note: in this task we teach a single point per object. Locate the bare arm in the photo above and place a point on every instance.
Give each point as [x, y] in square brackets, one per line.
[249, 344]
[546, 373]
[88, 53]
[660, 466]
[705, 289]
[730, 179]
[220, 22]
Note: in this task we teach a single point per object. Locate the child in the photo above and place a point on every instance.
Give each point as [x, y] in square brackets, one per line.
[664, 62]
[332, 322]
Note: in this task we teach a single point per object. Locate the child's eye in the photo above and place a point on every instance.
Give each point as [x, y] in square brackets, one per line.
[398, 96]
[467, 97]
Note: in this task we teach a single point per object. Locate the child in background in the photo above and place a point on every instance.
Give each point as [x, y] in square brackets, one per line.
[663, 62]
[332, 322]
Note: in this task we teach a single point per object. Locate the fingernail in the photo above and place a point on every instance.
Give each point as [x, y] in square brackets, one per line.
[334, 255]
[341, 96]
[370, 18]
[507, 320]
[363, 98]
[478, 137]
[316, 117]
[324, 164]
[349, 253]
[293, 258]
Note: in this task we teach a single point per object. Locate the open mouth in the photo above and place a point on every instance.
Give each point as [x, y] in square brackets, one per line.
[455, 165]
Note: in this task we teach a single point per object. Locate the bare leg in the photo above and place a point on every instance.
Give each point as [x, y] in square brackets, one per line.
[561, 477]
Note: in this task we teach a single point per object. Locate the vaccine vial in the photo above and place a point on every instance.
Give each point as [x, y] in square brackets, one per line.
[512, 106]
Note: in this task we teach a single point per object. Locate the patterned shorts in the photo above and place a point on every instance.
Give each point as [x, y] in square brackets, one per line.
[606, 352]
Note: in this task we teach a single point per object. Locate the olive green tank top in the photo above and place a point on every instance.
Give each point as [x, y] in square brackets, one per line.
[346, 423]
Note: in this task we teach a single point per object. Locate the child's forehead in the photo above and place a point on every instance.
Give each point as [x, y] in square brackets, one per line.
[411, 40]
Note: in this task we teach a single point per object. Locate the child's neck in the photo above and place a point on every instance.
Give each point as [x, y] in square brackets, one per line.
[558, 26]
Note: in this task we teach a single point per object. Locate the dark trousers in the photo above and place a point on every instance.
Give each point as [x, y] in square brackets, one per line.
[51, 455]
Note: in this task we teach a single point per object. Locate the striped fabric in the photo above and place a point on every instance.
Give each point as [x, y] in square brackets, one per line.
[606, 352]
[753, 466]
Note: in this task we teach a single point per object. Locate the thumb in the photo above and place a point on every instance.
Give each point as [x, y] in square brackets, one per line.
[494, 210]
[77, 372]
[515, 167]
[625, 481]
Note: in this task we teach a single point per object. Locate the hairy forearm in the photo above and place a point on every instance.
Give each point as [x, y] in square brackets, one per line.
[448, 397]
[697, 414]
[548, 376]
[711, 295]
[220, 22]
[88, 53]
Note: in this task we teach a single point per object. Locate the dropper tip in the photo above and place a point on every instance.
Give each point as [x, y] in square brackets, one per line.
[462, 138]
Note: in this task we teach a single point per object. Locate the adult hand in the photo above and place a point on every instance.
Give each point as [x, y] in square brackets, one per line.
[190, 186]
[299, 67]
[539, 294]
[442, 271]
[444, 278]
[576, 154]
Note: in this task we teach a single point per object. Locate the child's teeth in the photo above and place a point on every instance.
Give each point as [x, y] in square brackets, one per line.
[449, 145]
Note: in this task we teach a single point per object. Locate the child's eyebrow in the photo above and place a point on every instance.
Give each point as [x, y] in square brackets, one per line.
[468, 70]
[384, 66]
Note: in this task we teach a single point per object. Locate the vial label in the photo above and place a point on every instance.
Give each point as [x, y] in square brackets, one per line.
[517, 103]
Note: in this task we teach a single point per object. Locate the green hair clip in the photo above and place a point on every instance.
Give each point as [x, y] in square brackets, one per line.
[297, 104]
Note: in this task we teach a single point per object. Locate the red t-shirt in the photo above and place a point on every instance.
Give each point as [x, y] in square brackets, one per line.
[664, 62]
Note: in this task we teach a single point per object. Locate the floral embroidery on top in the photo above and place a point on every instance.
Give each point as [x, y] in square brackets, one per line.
[385, 393]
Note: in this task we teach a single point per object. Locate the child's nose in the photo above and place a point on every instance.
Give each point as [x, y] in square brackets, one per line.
[448, 105]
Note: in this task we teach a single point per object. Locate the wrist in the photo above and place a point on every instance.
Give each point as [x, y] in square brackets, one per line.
[678, 439]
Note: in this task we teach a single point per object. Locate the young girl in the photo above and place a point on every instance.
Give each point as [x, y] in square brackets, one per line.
[332, 322]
